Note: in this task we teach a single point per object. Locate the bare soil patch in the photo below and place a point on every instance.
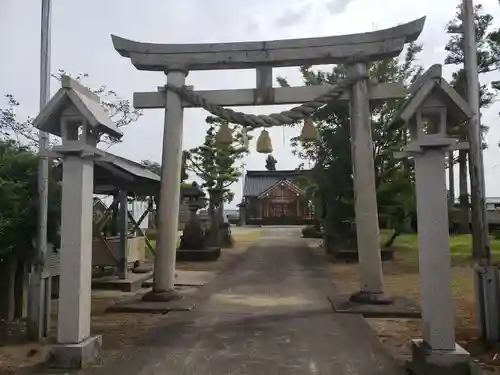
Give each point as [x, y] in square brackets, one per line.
[402, 278]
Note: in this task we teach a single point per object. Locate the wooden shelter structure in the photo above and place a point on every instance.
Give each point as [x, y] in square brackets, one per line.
[122, 179]
[119, 241]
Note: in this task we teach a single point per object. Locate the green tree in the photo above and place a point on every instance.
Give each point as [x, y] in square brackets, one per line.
[271, 163]
[218, 166]
[488, 59]
[331, 153]
[155, 167]
[19, 200]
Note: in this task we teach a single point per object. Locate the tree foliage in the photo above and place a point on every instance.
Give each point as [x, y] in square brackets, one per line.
[19, 199]
[218, 166]
[19, 170]
[332, 173]
[155, 167]
[488, 59]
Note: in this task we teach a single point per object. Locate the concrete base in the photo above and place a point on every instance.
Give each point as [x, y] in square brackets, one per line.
[427, 361]
[75, 356]
[186, 278]
[367, 298]
[209, 254]
[162, 296]
[132, 283]
[400, 308]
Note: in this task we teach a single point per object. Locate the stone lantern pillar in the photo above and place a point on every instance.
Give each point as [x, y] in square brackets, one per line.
[434, 106]
[75, 115]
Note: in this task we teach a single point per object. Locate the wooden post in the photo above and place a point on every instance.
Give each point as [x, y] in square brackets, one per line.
[123, 230]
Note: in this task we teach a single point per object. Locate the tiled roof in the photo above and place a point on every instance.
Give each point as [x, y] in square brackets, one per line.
[258, 181]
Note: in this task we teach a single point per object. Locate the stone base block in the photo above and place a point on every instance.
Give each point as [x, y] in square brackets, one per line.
[75, 356]
[401, 307]
[162, 296]
[131, 284]
[367, 298]
[428, 361]
[210, 254]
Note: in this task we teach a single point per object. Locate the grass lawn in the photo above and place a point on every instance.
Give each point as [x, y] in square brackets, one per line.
[401, 278]
[460, 245]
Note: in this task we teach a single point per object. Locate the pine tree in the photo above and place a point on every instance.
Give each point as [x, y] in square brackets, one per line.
[218, 166]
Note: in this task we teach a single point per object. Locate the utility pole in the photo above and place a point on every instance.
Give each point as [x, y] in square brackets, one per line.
[40, 283]
[486, 275]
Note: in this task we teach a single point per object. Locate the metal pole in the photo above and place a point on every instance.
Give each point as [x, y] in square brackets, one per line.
[480, 238]
[486, 276]
[39, 285]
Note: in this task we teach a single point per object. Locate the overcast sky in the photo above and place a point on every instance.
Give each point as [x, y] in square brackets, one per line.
[81, 43]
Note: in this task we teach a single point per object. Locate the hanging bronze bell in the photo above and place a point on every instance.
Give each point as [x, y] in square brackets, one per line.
[224, 136]
[264, 145]
[309, 131]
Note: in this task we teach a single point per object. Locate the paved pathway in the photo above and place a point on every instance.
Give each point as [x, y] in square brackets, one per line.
[267, 315]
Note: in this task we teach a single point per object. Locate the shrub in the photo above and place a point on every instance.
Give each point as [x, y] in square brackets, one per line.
[19, 200]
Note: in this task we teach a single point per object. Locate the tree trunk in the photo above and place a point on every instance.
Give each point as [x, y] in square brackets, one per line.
[463, 226]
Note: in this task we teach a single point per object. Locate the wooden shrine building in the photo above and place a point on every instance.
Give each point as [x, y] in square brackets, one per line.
[275, 198]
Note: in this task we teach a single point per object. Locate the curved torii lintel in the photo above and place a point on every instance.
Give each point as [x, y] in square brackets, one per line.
[370, 46]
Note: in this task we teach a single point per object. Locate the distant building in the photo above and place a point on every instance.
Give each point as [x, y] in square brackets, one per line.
[275, 198]
[492, 211]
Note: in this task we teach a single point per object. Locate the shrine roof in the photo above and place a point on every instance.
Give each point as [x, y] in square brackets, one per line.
[118, 172]
[256, 182]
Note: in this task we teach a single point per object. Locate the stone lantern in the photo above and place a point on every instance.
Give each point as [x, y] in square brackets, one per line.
[74, 114]
[432, 109]
[193, 236]
[194, 246]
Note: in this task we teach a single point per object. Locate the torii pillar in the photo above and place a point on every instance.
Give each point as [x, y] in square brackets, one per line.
[169, 200]
[365, 196]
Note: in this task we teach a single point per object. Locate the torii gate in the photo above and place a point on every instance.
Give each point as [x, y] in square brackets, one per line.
[355, 50]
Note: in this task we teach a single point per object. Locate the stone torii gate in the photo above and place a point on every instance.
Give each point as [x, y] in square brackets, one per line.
[356, 50]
